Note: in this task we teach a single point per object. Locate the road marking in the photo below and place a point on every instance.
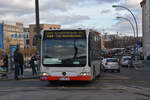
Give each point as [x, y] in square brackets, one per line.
[114, 77]
[63, 87]
[120, 77]
[138, 87]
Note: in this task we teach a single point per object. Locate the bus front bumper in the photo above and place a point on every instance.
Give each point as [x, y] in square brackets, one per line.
[65, 78]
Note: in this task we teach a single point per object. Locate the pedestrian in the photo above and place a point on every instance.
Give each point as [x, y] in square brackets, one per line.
[32, 64]
[2, 72]
[16, 62]
[36, 62]
[21, 63]
[38, 59]
[6, 62]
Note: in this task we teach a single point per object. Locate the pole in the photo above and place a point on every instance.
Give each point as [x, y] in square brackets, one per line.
[134, 20]
[37, 16]
[37, 29]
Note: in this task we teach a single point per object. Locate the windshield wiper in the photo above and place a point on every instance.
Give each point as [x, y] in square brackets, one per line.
[76, 49]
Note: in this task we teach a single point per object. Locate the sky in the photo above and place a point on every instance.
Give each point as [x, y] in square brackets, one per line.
[91, 14]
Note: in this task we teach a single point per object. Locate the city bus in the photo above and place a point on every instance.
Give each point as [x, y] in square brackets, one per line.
[70, 55]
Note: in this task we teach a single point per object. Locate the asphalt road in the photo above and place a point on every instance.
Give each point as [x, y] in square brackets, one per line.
[129, 84]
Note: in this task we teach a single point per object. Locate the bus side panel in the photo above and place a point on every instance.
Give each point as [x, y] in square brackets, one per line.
[94, 53]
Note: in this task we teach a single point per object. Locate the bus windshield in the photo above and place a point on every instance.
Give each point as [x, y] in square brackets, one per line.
[69, 52]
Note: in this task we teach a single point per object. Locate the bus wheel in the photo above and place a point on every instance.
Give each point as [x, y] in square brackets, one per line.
[53, 82]
[99, 75]
[118, 71]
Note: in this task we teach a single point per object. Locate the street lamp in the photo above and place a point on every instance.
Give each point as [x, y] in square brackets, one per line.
[114, 6]
[130, 24]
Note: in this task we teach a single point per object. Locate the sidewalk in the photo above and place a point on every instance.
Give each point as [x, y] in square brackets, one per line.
[27, 75]
[143, 65]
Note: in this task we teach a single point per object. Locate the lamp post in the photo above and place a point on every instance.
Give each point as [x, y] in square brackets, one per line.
[130, 24]
[115, 6]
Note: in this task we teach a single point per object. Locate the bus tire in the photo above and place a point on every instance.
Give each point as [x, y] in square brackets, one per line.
[99, 75]
[53, 82]
[118, 71]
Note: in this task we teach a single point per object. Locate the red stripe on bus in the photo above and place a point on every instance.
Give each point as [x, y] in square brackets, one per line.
[71, 78]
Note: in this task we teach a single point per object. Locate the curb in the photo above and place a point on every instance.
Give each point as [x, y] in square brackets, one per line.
[25, 78]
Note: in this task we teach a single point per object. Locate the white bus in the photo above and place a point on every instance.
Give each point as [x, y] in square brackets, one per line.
[70, 55]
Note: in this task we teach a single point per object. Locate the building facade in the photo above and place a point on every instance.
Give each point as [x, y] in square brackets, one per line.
[26, 38]
[145, 4]
[147, 28]
[12, 35]
[42, 27]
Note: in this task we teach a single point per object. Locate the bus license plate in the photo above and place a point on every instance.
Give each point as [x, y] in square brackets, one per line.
[64, 79]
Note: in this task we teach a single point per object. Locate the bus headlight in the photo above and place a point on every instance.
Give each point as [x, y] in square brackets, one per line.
[84, 73]
[44, 74]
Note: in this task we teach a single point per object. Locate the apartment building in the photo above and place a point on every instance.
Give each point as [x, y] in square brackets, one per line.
[26, 38]
[11, 35]
[32, 28]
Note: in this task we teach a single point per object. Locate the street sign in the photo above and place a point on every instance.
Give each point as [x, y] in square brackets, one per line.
[139, 46]
[12, 49]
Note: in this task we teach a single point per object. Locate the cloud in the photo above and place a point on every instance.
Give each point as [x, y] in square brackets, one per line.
[62, 19]
[107, 1]
[133, 5]
[62, 5]
[16, 6]
[105, 11]
[24, 11]
[61, 12]
[124, 27]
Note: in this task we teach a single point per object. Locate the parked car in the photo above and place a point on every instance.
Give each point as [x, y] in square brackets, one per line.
[125, 61]
[111, 64]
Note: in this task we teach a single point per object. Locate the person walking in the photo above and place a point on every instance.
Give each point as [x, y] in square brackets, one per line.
[16, 62]
[21, 63]
[2, 72]
[32, 63]
[6, 62]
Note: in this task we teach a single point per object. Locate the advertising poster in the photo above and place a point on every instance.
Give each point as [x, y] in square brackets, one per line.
[1, 36]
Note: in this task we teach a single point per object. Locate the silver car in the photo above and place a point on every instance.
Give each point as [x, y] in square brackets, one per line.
[111, 64]
[125, 61]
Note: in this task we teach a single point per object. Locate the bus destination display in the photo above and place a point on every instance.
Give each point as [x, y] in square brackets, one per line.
[64, 34]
